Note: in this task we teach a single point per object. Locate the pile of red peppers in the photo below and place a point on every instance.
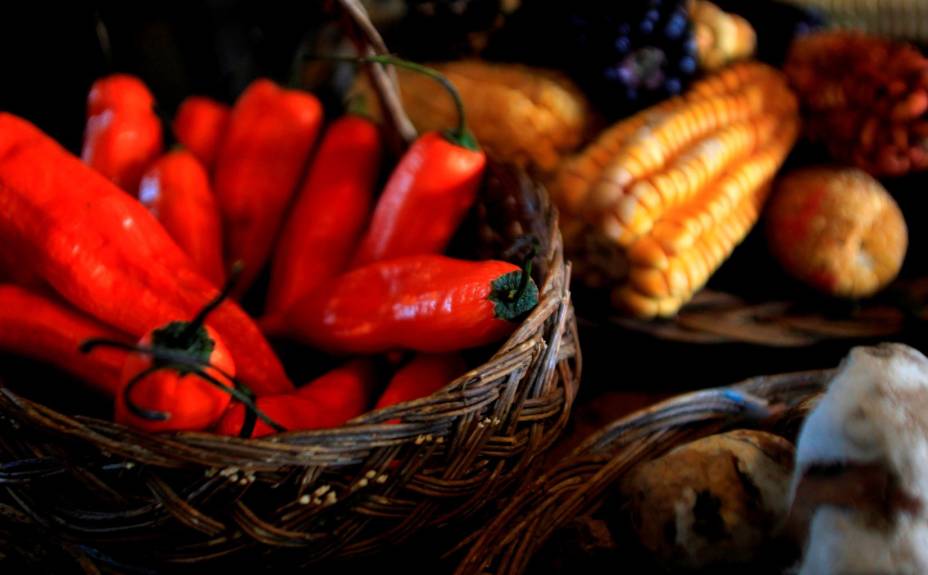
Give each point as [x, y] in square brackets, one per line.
[124, 267]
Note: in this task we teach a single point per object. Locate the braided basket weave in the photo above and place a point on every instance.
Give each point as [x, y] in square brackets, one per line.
[579, 482]
[898, 19]
[107, 495]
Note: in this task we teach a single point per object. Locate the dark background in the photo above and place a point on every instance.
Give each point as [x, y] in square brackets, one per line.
[50, 53]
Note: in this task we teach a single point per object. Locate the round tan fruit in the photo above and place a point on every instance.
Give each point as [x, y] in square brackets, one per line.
[713, 502]
[837, 230]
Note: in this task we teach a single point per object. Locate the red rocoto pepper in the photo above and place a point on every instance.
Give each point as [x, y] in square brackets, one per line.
[174, 398]
[428, 193]
[105, 253]
[261, 159]
[42, 328]
[329, 214]
[119, 91]
[328, 401]
[176, 190]
[421, 377]
[123, 133]
[199, 125]
[428, 303]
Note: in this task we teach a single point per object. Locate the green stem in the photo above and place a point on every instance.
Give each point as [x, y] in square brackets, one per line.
[246, 397]
[158, 353]
[194, 325]
[460, 135]
[166, 358]
[515, 294]
[137, 410]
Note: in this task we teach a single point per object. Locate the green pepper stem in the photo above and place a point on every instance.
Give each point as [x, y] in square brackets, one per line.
[136, 409]
[194, 325]
[181, 360]
[515, 294]
[166, 358]
[460, 135]
[247, 398]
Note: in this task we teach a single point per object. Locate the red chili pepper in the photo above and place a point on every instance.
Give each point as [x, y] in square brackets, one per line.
[176, 190]
[123, 133]
[428, 193]
[421, 377]
[329, 214]
[199, 125]
[180, 377]
[105, 253]
[119, 91]
[42, 328]
[426, 303]
[175, 398]
[261, 159]
[329, 401]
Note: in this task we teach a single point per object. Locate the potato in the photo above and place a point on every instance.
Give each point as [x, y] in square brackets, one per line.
[716, 501]
[837, 230]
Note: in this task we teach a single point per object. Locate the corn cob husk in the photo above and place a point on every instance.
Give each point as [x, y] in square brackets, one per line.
[721, 37]
[521, 115]
[655, 205]
[866, 98]
[897, 19]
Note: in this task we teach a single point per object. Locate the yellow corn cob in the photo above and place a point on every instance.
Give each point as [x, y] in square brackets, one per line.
[521, 115]
[673, 262]
[673, 190]
[687, 174]
[695, 118]
[575, 176]
[679, 228]
[651, 291]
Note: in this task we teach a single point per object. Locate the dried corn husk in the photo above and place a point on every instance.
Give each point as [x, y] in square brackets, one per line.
[525, 116]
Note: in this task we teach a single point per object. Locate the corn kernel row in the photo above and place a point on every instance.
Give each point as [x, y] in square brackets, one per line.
[674, 189]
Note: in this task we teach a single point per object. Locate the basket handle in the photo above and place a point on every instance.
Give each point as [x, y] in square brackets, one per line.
[370, 43]
[573, 486]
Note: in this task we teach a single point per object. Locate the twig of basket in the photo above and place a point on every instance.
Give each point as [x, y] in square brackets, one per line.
[383, 78]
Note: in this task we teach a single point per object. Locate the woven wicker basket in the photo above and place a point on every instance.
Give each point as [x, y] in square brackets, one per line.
[578, 483]
[900, 19]
[113, 496]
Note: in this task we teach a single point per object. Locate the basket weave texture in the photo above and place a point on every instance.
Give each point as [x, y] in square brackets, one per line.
[121, 498]
[131, 497]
